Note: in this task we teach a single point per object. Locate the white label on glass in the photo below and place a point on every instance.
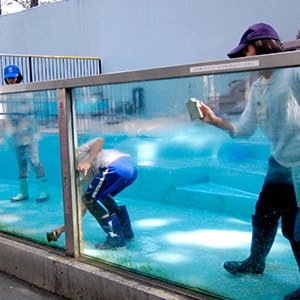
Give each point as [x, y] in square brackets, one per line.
[225, 66]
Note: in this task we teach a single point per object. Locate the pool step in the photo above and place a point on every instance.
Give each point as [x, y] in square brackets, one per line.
[245, 177]
[216, 197]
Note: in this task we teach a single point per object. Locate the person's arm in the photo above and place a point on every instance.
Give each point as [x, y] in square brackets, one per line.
[95, 149]
[210, 117]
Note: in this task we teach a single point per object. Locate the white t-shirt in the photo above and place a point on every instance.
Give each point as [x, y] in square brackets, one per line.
[274, 107]
[103, 159]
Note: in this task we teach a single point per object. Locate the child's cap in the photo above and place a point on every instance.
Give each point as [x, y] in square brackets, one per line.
[255, 32]
[13, 71]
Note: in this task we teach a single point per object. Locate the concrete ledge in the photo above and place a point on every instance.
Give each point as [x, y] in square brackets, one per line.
[78, 279]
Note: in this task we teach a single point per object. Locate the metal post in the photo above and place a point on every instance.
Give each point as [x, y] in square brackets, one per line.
[72, 214]
[100, 67]
[30, 69]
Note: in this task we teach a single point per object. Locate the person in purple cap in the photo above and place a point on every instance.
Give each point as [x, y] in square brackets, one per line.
[274, 107]
[258, 39]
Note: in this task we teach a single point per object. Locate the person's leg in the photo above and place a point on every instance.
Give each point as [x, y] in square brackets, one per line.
[109, 223]
[295, 295]
[108, 183]
[32, 152]
[296, 183]
[23, 174]
[121, 174]
[265, 221]
[112, 207]
[114, 238]
[54, 235]
[289, 230]
[262, 240]
[97, 192]
[110, 204]
[125, 222]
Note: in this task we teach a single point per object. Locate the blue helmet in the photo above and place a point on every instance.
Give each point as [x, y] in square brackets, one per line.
[12, 71]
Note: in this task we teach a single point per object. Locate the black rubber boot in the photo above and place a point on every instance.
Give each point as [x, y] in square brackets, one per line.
[296, 251]
[295, 295]
[262, 241]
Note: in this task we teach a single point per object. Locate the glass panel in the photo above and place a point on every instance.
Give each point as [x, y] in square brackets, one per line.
[191, 204]
[31, 169]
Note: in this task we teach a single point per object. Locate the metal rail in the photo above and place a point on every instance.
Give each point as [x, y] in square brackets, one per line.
[43, 68]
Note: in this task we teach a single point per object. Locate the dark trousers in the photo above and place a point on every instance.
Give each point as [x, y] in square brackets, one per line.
[277, 200]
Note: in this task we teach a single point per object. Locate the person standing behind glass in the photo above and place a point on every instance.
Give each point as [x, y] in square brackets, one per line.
[25, 139]
[274, 107]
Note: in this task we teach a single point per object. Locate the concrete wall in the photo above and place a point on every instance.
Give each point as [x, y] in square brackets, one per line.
[131, 34]
[76, 280]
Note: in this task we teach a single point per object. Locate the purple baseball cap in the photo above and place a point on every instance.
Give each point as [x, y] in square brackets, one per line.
[255, 32]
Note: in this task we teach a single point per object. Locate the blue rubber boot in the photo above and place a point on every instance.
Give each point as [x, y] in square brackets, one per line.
[114, 238]
[124, 219]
